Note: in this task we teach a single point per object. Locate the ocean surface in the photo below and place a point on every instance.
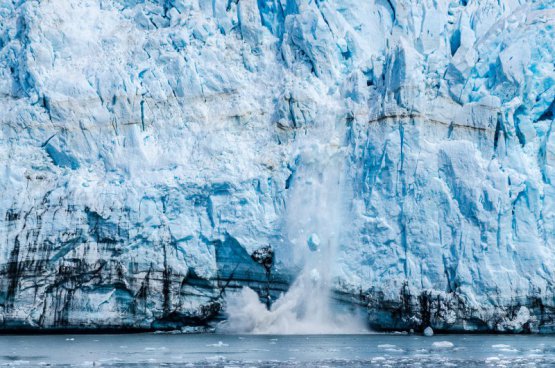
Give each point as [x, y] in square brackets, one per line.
[214, 350]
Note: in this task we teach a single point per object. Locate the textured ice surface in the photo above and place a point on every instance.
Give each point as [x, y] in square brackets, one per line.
[148, 149]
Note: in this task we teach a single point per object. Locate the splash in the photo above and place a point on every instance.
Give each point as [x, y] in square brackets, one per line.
[315, 226]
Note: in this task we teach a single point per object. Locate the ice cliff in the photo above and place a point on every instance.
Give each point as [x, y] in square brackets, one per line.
[148, 148]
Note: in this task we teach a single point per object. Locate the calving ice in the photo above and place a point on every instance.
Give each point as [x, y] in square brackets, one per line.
[316, 223]
[168, 164]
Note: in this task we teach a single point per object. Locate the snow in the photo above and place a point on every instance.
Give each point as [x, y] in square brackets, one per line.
[149, 148]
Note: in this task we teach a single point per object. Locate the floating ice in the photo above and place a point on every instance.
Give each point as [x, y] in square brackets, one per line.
[387, 346]
[442, 345]
[219, 344]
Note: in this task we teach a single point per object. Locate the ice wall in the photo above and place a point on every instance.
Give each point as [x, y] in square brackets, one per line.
[147, 149]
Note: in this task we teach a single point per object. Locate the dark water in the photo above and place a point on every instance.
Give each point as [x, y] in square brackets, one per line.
[212, 350]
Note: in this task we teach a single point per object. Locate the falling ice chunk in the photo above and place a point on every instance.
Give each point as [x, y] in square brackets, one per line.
[314, 276]
[314, 242]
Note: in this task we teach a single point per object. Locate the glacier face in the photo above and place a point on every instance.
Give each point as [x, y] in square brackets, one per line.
[148, 148]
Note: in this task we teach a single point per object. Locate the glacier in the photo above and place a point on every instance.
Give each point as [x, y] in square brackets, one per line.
[149, 149]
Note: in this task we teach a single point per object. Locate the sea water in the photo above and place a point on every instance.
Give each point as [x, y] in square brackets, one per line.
[215, 350]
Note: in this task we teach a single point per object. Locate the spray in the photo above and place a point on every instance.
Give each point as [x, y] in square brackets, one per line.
[317, 206]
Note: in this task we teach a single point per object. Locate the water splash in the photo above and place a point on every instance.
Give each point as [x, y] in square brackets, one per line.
[317, 207]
